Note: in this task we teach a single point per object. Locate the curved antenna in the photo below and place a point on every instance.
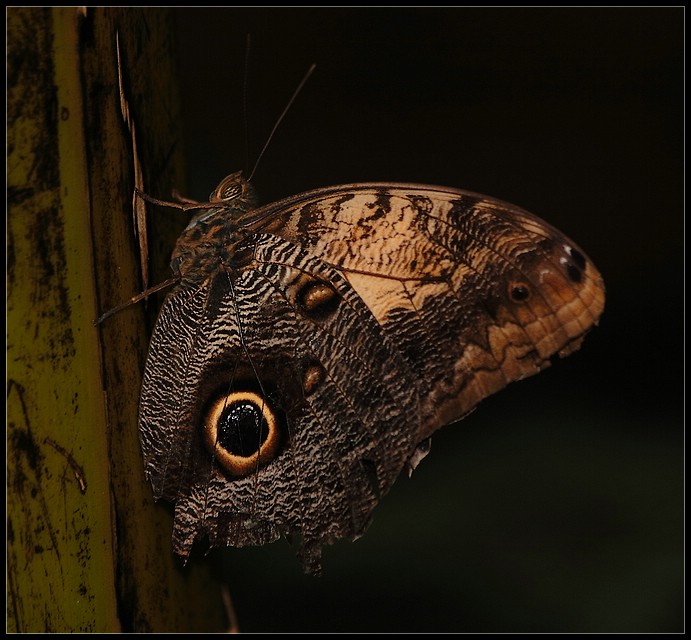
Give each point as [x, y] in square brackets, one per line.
[280, 118]
[245, 90]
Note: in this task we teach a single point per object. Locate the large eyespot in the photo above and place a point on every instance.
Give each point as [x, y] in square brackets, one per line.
[242, 432]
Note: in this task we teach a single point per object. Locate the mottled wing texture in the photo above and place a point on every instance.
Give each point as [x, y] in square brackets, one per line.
[474, 292]
[345, 440]
[367, 316]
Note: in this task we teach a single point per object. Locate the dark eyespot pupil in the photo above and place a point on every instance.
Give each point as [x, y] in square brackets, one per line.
[574, 273]
[242, 429]
[519, 292]
[578, 258]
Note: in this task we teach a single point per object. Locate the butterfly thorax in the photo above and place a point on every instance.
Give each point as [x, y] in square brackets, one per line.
[211, 238]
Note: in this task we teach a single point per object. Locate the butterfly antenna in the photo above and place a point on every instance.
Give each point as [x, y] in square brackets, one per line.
[245, 90]
[280, 118]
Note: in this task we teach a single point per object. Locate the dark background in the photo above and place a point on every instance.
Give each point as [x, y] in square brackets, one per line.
[557, 505]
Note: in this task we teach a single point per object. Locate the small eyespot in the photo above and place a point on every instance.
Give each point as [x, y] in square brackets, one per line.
[242, 432]
[577, 257]
[576, 265]
[519, 291]
[572, 271]
[318, 299]
[313, 376]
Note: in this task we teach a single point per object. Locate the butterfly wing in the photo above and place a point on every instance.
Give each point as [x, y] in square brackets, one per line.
[475, 292]
[354, 322]
[290, 330]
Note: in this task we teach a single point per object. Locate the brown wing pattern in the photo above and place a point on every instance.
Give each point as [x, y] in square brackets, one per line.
[291, 330]
[475, 292]
[315, 344]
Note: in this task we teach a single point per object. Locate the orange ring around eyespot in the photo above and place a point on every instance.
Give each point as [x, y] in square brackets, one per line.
[235, 465]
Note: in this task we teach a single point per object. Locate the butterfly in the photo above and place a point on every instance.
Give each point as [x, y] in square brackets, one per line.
[311, 347]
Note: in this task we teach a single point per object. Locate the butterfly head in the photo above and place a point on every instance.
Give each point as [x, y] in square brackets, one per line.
[212, 236]
[235, 191]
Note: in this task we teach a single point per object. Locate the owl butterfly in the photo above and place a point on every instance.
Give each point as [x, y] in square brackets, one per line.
[311, 347]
